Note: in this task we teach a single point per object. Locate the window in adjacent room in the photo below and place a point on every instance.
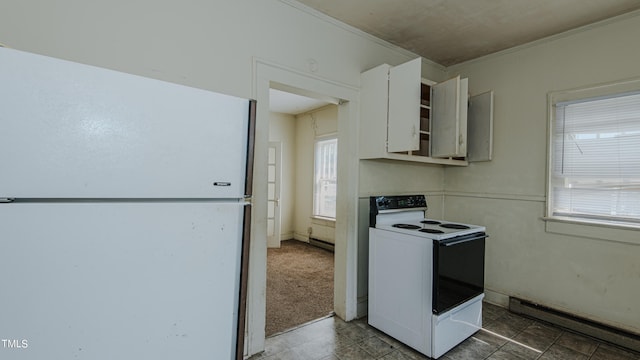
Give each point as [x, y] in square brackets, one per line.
[594, 172]
[325, 177]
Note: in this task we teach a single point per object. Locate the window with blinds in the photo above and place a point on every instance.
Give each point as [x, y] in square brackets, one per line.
[595, 159]
[325, 178]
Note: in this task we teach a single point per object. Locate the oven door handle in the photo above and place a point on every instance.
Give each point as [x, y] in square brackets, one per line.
[454, 241]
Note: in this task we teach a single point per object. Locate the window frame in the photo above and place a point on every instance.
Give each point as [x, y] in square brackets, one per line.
[314, 212]
[565, 224]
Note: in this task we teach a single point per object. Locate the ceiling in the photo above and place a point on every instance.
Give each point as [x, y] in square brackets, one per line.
[289, 103]
[449, 32]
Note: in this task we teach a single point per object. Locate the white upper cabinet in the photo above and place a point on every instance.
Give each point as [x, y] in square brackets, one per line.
[407, 117]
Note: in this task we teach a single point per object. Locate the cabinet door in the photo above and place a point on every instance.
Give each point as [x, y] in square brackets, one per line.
[374, 108]
[463, 119]
[404, 107]
[448, 118]
[480, 127]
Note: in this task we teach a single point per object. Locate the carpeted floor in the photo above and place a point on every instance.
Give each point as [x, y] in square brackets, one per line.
[299, 285]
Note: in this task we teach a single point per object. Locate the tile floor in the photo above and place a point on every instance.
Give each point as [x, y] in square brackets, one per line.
[504, 336]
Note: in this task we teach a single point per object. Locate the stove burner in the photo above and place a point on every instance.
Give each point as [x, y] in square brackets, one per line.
[431, 222]
[406, 226]
[455, 226]
[432, 231]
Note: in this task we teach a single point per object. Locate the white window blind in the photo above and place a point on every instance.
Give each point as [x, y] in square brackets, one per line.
[596, 159]
[325, 178]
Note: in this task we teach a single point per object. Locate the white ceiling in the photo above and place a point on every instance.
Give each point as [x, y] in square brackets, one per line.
[452, 31]
[290, 103]
[449, 32]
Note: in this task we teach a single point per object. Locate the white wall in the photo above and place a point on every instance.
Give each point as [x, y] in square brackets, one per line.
[282, 128]
[587, 276]
[208, 44]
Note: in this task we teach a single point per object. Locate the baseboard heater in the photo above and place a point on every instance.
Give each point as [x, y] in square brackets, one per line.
[322, 244]
[571, 322]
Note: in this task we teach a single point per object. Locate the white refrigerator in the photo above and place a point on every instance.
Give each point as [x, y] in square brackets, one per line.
[124, 214]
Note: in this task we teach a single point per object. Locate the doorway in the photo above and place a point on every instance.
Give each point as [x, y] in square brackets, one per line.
[300, 276]
[266, 74]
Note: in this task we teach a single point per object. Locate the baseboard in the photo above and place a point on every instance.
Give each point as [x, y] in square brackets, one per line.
[568, 321]
[322, 244]
[300, 237]
[287, 236]
[496, 298]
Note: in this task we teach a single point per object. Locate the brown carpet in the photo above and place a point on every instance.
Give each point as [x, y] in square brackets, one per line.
[299, 285]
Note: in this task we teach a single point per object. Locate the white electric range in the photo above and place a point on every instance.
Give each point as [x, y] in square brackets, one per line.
[426, 276]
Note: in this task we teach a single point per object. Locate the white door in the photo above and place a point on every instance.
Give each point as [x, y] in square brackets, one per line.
[273, 194]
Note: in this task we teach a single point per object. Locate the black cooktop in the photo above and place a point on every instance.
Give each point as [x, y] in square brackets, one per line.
[432, 231]
[455, 226]
[431, 222]
[406, 226]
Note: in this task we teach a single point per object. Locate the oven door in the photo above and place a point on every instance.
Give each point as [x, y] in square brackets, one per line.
[458, 270]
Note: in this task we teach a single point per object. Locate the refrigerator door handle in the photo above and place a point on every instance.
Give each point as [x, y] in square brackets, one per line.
[6, 200]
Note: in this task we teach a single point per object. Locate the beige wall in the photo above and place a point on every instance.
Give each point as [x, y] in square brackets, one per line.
[310, 125]
[587, 276]
[297, 134]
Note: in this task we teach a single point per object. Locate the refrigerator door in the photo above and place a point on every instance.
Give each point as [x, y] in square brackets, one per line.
[69, 130]
[120, 281]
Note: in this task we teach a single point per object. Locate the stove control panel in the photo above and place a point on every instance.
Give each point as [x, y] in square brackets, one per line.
[398, 202]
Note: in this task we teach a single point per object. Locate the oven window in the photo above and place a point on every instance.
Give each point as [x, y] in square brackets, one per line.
[458, 271]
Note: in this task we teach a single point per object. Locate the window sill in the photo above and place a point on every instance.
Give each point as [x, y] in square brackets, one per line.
[325, 220]
[627, 234]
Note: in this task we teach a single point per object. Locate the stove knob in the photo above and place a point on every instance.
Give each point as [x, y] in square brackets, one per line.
[383, 203]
